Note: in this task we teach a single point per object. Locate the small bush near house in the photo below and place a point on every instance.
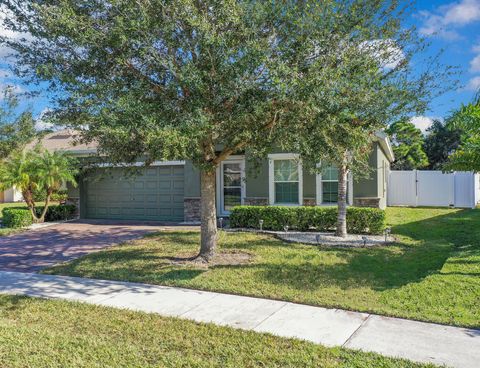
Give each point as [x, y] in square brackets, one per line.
[16, 217]
[59, 212]
[360, 220]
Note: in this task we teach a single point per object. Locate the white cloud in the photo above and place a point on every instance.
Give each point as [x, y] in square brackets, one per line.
[387, 51]
[6, 74]
[444, 21]
[422, 122]
[41, 123]
[473, 84]
[475, 64]
[16, 89]
[4, 32]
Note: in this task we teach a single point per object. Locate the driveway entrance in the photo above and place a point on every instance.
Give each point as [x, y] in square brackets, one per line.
[33, 250]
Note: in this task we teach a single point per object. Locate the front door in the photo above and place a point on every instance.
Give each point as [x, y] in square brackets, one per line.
[231, 185]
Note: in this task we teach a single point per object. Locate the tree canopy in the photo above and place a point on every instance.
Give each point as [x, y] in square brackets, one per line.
[466, 119]
[37, 170]
[16, 130]
[441, 140]
[201, 80]
[407, 142]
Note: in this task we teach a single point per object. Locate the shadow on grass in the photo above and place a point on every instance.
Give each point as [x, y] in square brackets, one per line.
[425, 246]
[430, 244]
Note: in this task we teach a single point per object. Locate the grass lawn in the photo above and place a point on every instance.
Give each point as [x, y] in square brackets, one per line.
[41, 333]
[431, 274]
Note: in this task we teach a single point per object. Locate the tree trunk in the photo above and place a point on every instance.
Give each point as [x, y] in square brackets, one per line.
[47, 203]
[342, 201]
[28, 198]
[208, 215]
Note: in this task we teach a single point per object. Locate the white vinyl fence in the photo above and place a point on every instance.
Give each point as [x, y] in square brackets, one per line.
[433, 188]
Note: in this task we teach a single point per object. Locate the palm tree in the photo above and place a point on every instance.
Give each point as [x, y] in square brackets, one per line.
[52, 170]
[18, 171]
[37, 169]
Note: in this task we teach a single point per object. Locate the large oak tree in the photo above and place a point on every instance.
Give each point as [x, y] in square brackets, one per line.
[192, 79]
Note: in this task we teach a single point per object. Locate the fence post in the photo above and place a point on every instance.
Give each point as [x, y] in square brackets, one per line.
[415, 177]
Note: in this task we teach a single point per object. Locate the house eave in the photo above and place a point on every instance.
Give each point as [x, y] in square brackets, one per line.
[384, 141]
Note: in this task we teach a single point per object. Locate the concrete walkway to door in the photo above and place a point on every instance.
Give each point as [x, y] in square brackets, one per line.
[33, 250]
[417, 341]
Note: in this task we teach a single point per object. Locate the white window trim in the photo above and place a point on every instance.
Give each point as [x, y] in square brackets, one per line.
[271, 183]
[219, 181]
[319, 190]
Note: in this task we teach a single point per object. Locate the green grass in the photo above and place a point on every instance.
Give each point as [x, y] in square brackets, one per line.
[431, 274]
[41, 333]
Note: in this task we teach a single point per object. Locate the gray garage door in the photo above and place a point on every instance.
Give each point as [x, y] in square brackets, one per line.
[155, 194]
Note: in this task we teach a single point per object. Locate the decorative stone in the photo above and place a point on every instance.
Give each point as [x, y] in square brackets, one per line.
[373, 202]
[309, 202]
[191, 209]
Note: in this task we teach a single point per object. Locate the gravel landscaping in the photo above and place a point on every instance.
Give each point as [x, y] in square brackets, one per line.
[327, 239]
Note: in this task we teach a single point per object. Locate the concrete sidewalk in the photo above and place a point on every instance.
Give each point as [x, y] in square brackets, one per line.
[418, 341]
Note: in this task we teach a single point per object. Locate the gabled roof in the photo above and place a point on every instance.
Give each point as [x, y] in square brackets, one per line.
[66, 140]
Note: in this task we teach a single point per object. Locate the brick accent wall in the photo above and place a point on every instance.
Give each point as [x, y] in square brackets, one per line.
[309, 202]
[373, 202]
[255, 201]
[191, 209]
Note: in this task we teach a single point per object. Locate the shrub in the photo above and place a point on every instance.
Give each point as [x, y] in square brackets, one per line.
[59, 196]
[20, 216]
[360, 220]
[58, 213]
[15, 217]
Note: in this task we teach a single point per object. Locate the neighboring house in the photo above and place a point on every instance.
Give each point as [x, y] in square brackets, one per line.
[10, 195]
[170, 191]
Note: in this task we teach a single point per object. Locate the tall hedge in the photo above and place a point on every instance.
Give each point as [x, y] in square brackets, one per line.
[16, 217]
[360, 220]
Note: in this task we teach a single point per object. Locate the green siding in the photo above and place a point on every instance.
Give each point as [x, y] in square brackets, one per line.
[256, 181]
[368, 187]
[309, 185]
[73, 192]
[192, 180]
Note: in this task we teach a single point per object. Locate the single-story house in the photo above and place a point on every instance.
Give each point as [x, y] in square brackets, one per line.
[10, 195]
[170, 191]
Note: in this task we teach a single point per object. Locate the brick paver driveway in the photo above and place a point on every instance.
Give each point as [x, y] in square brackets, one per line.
[33, 250]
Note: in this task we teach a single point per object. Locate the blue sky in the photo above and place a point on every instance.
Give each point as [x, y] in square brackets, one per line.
[452, 26]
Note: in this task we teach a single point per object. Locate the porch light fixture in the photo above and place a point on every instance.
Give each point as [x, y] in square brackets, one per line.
[260, 222]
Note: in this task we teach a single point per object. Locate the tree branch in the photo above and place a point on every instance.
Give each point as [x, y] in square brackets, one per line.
[226, 152]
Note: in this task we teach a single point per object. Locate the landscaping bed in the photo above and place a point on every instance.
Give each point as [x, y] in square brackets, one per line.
[43, 333]
[360, 220]
[19, 217]
[431, 273]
